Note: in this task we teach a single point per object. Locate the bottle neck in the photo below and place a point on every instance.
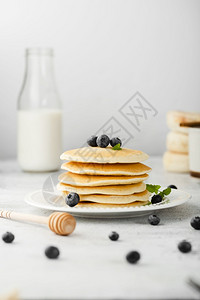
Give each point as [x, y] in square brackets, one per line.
[39, 85]
[40, 67]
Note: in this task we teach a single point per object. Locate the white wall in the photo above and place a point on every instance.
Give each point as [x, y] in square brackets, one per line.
[105, 52]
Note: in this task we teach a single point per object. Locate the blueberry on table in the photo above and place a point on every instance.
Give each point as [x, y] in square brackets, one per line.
[92, 141]
[52, 252]
[133, 257]
[153, 220]
[114, 141]
[185, 246]
[103, 141]
[8, 237]
[195, 223]
[113, 236]
[72, 199]
[172, 186]
[156, 199]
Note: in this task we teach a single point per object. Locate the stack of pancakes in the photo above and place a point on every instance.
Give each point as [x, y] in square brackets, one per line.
[105, 177]
[176, 158]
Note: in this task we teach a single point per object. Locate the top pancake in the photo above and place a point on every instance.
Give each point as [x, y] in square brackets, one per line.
[106, 169]
[104, 155]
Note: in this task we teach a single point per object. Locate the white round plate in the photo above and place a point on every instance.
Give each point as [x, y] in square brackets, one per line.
[55, 202]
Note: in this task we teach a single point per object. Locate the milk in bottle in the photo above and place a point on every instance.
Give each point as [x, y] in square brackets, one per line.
[39, 114]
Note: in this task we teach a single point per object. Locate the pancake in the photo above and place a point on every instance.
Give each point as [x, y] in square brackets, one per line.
[176, 162]
[104, 155]
[177, 142]
[98, 180]
[103, 205]
[114, 199]
[106, 169]
[127, 189]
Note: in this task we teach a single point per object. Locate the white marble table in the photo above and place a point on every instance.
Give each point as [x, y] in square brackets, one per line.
[90, 265]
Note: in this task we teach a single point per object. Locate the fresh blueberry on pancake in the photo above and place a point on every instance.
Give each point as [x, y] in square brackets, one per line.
[92, 141]
[114, 141]
[103, 141]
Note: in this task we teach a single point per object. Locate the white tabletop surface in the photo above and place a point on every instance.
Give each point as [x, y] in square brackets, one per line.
[91, 266]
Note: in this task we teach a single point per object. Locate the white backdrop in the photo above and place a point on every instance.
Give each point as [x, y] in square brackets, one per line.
[105, 51]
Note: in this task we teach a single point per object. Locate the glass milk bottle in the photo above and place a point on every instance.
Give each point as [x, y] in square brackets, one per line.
[39, 114]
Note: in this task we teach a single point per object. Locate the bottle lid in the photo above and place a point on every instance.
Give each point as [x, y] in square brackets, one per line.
[39, 51]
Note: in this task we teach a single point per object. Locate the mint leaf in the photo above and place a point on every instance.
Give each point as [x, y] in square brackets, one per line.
[157, 187]
[117, 147]
[162, 194]
[150, 188]
[153, 188]
[167, 191]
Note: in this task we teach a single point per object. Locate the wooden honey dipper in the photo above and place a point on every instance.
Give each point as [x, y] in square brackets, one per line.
[58, 222]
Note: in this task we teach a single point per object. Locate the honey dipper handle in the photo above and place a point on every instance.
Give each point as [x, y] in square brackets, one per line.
[23, 217]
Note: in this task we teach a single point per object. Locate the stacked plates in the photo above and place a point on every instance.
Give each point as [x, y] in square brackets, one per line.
[105, 177]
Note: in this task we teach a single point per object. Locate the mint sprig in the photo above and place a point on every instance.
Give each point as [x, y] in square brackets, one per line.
[117, 147]
[156, 189]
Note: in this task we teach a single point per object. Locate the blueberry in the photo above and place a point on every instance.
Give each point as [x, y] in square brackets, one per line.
[184, 246]
[133, 257]
[52, 252]
[172, 186]
[103, 141]
[156, 199]
[72, 199]
[195, 223]
[153, 220]
[114, 141]
[92, 141]
[8, 237]
[113, 236]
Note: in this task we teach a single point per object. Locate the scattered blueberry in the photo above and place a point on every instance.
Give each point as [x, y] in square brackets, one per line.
[72, 199]
[103, 141]
[184, 246]
[92, 141]
[114, 141]
[172, 186]
[156, 199]
[133, 257]
[52, 252]
[113, 236]
[195, 223]
[8, 237]
[153, 220]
